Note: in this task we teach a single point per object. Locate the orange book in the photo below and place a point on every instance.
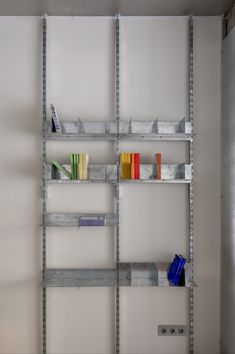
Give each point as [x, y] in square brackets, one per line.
[158, 160]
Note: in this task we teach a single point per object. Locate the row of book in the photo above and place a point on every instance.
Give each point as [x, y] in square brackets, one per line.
[79, 166]
[130, 165]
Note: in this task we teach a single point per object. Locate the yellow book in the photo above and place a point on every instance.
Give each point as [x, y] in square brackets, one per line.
[124, 165]
[83, 165]
[128, 165]
[125, 160]
[122, 162]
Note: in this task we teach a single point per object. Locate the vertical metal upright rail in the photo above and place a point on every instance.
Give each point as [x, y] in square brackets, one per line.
[190, 116]
[44, 186]
[117, 194]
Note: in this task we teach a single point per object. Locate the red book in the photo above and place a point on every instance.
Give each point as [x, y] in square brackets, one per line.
[158, 159]
[137, 165]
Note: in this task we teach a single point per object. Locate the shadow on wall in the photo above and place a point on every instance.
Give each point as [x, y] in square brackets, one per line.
[24, 121]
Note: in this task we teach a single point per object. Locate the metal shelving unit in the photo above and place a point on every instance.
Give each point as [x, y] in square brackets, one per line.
[124, 274]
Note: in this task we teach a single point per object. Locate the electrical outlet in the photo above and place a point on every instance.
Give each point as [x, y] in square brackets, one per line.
[171, 330]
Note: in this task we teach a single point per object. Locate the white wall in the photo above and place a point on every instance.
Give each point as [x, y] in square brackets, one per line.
[154, 217]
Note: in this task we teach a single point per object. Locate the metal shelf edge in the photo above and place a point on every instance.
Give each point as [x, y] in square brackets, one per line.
[59, 181]
[113, 137]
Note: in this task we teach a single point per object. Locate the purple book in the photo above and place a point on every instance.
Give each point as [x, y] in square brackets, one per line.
[91, 221]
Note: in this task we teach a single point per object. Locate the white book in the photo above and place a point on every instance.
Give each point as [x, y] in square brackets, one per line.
[55, 119]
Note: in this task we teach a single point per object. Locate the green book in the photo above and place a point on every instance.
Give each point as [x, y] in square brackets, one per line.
[77, 168]
[61, 169]
[76, 165]
[72, 165]
[74, 159]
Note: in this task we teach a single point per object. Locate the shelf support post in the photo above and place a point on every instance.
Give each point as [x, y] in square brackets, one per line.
[190, 117]
[44, 185]
[117, 185]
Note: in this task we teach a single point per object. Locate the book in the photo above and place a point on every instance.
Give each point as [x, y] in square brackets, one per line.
[132, 166]
[77, 157]
[158, 161]
[72, 166]
[137, 165]
[86, 165]
[61, 169]
[128, 165]
[83, 166]
[91, 221]
[74, 160]
[55, 120]
[175, 270]
[122, 162]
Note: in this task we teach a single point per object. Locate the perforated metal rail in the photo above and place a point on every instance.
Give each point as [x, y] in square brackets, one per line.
[44, 184]
[117, 151]
[190, 114]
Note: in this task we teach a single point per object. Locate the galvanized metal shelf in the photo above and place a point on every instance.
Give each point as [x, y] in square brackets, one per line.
[128, 130]
[171, 173]
[130, 274]
[74, 219]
